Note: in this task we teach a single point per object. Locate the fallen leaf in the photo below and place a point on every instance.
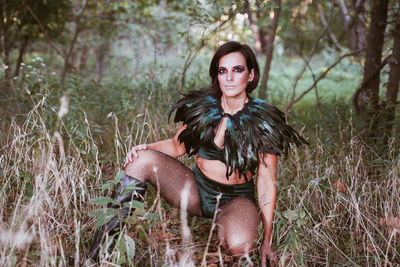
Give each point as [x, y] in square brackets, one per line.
[340, 186]
[391, 222]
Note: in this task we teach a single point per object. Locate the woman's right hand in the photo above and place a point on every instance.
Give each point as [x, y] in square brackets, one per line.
[133, 153]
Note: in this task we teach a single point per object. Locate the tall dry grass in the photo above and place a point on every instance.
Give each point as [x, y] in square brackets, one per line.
[45, 189]
[335, 207]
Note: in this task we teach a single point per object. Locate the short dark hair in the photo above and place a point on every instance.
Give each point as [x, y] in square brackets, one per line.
[251, 62]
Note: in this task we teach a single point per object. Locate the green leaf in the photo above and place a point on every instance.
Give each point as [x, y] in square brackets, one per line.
[134, 204]
[103, 215]
[290, 214]
[182, 34]
[278, 214]
[103, 201]
[130, 247]
[105, 187]
[119, 176]
[130, 188]
[149, 215]
[28, 191]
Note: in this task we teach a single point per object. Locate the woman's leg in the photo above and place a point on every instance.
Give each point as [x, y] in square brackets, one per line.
[237, 223]
[167, 174]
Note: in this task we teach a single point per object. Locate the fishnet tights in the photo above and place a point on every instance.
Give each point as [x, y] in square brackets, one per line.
[237, 220]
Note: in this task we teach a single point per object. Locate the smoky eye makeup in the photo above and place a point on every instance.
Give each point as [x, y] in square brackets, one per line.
[221, 70]
[239, 68]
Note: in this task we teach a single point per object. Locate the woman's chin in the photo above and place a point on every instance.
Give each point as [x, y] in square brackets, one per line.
[232, 93]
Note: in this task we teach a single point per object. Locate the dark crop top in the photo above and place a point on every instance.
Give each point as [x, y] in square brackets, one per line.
[211, 151]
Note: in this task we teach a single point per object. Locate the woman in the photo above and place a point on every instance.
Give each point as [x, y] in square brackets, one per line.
[233, 137]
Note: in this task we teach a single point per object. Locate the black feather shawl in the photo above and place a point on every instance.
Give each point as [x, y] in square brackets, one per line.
[257, 128]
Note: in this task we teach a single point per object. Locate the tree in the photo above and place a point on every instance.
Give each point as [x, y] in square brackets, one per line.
[394, 73]
[366, 97]
[264, 26]
[377, 113]
[19, 29]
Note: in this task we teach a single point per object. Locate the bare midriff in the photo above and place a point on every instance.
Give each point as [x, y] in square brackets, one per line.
[216, 170]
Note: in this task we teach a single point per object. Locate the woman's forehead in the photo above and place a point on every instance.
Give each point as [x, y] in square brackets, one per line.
[232, 59]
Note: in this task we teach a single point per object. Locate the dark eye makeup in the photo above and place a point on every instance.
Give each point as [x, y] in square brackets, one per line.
[239, 68]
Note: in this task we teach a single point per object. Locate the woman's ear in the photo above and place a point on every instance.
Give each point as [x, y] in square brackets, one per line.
[251, 75]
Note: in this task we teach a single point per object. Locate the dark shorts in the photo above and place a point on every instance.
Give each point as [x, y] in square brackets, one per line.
[209, 190]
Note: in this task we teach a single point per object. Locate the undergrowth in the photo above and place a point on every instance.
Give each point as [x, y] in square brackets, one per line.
[337, 198]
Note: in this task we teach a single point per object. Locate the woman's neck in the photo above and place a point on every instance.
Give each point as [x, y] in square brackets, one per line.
[231, 105]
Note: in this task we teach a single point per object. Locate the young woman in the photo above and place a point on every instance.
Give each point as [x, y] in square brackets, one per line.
[234, 137]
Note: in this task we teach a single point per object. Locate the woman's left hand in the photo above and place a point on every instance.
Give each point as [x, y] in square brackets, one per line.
[268, 253]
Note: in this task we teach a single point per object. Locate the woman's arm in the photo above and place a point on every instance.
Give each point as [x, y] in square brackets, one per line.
[171, 147]
[266, 189]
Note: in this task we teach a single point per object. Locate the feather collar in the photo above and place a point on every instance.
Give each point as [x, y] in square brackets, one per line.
[256, 128]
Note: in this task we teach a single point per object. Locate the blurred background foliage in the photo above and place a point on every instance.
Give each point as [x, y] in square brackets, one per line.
[111, 56]
[332, 66]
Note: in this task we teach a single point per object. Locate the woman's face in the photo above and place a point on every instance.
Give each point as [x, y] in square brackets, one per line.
[233, 75]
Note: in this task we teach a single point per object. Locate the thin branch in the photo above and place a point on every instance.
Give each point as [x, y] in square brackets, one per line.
[42, 29]
[300, 74]
[326, 25]
[345, 13]
[290, 105]
[314, 79]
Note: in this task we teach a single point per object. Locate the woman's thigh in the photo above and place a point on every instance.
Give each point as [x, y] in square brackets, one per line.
[168, 175]
[237, 223]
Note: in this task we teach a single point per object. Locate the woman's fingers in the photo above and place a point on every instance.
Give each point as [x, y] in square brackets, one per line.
[133, 153]
[137, 148]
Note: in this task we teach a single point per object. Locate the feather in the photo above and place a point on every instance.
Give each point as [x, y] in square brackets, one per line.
[257, 128]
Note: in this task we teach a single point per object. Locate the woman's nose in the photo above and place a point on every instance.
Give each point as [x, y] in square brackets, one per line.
[229, 76]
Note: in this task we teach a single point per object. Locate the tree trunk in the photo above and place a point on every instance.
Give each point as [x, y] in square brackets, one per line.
[368, 98]
[78, 30]
[101, 54]
[22, 49]
[394, 73]
[254, 29]
[83, 59]
[6, 46]
[67, 63]
[269, 49]
[394, 76]
[359, 25]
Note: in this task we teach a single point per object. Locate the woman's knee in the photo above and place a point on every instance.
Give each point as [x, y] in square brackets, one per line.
[141, 164]
[238, 226]
[240, 248]
[241, 242]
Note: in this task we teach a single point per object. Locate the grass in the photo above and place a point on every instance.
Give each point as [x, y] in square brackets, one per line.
[337, 199]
